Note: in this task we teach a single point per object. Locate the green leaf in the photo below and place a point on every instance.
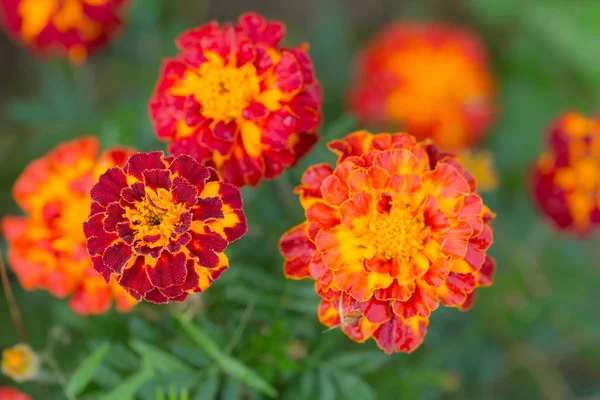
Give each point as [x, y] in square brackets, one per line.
[208, 389]
[326, 387]
[364, 361]
[127, 389]
[236, 369]
[199, 337]
[229, 365]
[161, 360]
[353, 387]
[84, 373]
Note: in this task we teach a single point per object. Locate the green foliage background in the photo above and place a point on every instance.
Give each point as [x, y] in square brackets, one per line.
[533, 334]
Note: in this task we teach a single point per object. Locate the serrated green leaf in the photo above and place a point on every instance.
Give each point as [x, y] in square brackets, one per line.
[84, 373]
[161, 360]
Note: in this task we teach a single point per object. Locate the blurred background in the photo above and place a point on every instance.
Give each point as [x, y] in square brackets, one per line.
[533, 335]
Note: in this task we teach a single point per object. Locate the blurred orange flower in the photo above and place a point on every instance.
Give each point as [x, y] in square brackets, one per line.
[238, 101]
[395, 228]
[20, 363]
[74, 28]
[566, 177]
[160, 226]
[10, 393]
[429, 78]
[47, 247]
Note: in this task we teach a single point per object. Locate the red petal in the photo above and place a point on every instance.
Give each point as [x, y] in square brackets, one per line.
[255, 111]
[157, 178]
[155, 296]
[170, 270]
[400, 335]
[136, 280]
[208, 208]
[191, 170]
[297, 249]
[184, 193]
[109, 186]
[288, 73]
[116, 256]
[204, 246]
[140, 162]
[322, 214]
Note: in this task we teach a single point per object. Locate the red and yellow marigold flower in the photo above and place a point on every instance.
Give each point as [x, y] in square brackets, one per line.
[238, 101]
[47, 246]
[395, 228]
[159, 226]
[74, 28]
[566, 177]
[20, 363]
[429, 78]
[10, 393]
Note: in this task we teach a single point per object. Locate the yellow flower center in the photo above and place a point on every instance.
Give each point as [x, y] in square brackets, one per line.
[398, 233]
[156, 215]
[16, 361]
[223, 91]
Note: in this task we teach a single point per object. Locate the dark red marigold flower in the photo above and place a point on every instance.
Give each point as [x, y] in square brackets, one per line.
[393, 230]
[566, 177]
[159, 225]
[236, 100]
[74, 28]
[432, 80]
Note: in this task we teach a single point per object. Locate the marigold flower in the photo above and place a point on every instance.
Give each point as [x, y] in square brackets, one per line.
[10, 393]
[159, 226]
[237, 101]
[74, 28]
[480, 164]
[20, 363]
[47, 247]
[429, 78]
[393, 230]
[566, 177]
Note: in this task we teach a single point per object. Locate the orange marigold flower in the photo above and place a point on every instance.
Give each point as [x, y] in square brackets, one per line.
[480, 164]
[74, 28]
[566, 178]
[429, 78]
[47, 247]
[10, 393]
[20, 363]
[237, 101]
[159, 226]
[393, 230]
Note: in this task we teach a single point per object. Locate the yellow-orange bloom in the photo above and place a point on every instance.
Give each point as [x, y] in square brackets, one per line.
[431, 79]
[47, 246]
[20, 363]
[393, 230]
[566, 178]
[74, 28]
